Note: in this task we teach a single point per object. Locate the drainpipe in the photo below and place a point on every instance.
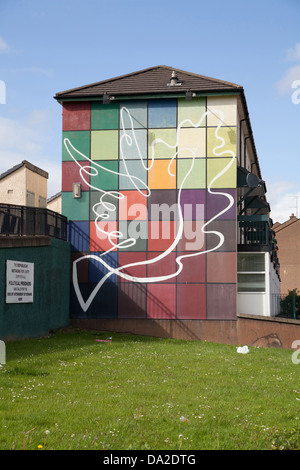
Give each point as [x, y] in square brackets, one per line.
[248, 137]
[245, 119]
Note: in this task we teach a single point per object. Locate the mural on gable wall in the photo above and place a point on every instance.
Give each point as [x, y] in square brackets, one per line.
[154, 232]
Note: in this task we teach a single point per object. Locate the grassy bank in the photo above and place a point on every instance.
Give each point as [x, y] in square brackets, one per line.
[69, 391]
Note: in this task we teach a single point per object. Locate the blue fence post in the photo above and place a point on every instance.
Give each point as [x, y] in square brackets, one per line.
[294, 306]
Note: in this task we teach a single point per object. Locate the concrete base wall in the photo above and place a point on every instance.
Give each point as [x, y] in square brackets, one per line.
[246, 330]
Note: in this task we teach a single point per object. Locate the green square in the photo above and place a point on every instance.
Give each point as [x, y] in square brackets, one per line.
[196, 179]
[215, 176]
[105, 116]
[104, 145]
[164, 149]
[75, 208]
[193, 110]
[107, 177]
[80, 145]
[214, 141]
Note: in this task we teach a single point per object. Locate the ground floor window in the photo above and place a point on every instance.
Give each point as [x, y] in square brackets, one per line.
[251, 272]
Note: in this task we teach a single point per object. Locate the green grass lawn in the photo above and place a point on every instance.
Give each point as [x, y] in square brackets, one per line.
[68, 391]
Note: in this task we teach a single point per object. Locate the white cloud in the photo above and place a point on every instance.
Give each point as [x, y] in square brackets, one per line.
[282, 197]
[284, 85]
[4, 47]
[293, 55]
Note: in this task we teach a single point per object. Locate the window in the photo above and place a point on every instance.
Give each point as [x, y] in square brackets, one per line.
[251, 272]
[30, 199]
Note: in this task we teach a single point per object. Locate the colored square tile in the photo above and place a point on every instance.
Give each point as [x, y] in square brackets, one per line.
[105, 303]
[192, 203]
[162, 143]
[192, 237]
[133, 205]
[194, 267]
[105, 145]
[191, 301]
[71, 174]
[133, 114]
[221, 301]
[192, 142]
[219, 204]
[133, 144]
[101, 265]
[221, 267]
[105, 175]
[221, 142]
[134, 235]
[161, 301]
[191, 174]
[161, 235]
[103, 205]
[104, 116]
[133, 175]
[76, 116]
[79, 148]
[162, 174]
[228, 229]
[103, 236]
[82, 267]
[162, 113]
[73, 207]
[191, 113]
[79, 236]
[164, 267]
[162, 204]
[132, 300]
[228, 107]
[134, 265]
[221, 173]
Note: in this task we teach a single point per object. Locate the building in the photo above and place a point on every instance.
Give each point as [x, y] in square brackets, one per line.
[24, 184]
[54, 203]
[168, 217]
[288, 241]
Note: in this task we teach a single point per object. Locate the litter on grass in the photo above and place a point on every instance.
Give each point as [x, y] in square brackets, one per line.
[243, 349]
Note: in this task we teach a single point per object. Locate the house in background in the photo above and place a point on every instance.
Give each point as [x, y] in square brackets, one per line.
[54, 203]
[24, 184]
[168, 218]
[288, 240]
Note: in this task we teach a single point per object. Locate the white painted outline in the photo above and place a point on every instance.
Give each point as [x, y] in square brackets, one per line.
[92, 171]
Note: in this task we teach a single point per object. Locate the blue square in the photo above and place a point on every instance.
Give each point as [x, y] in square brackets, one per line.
[97, 270]
[79, 236]
[162, 113]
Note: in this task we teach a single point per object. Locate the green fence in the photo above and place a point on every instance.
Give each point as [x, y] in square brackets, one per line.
[48, 307]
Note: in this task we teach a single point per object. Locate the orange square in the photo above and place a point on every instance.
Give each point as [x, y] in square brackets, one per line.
[133, 206]
[162, 175]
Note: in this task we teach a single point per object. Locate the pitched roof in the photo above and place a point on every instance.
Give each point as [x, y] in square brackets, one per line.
[150, 81]
[28, 165]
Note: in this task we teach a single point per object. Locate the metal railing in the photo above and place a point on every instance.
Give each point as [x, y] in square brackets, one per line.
[254, 230]
[25, 220]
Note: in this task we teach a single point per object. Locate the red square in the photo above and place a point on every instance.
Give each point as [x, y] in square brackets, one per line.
[161, 301]
[191, 301]
[76, 116]
[99, 238]
[127, 258]
[161, 235]
[71, 174]
[193, 267]
[133, 206]
[164, 267]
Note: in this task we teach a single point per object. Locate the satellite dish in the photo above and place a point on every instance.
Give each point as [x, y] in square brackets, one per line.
[252, 180]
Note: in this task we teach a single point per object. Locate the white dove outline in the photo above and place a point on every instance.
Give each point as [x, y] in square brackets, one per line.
[86, 304]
